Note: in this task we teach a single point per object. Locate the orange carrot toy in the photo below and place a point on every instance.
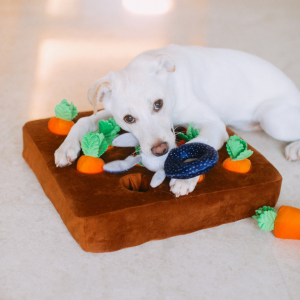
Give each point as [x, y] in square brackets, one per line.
[285, 222]
[93, 146]
[238, 160]
[62, 123]
[201, 178]
[182, 142]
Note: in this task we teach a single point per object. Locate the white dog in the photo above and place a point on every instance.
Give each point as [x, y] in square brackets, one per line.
[176, 85]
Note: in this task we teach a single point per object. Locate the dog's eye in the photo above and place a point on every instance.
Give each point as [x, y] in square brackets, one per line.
[158, 104]
[129, 119]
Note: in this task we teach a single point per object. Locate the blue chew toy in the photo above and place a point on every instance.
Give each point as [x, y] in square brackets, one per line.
[203, 158]
[206, 157]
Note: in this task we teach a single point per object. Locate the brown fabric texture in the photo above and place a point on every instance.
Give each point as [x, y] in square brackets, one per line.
[107, 212]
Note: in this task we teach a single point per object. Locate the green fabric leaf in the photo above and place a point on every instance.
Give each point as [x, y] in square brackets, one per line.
[113, 132]
[137, 150]
[140, 164]
[109, 139]
[234, 146]
[265, 216]
[114, 123]
[191, 133]
[103, 147]
[190, 129]
[93, 144]
[183, 136]
[105, 127]
[243, 155]
[109, 128]
[266, 220]
[261, 210]
[237, 148]
[65, 111]
[74, 110]
[195, 133]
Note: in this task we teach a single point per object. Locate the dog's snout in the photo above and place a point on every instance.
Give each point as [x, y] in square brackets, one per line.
[160, 149]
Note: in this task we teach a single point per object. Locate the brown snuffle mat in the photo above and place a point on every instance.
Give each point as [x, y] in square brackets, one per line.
[108, 212]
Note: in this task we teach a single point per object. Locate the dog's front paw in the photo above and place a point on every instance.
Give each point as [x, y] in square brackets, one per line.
[181, 187]
[67, 153]
[292, 151]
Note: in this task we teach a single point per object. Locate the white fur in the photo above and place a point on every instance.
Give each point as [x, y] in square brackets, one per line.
[126, 140]
[152, 163]
[210, 87]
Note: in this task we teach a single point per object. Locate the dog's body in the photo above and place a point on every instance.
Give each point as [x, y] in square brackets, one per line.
[176, 85]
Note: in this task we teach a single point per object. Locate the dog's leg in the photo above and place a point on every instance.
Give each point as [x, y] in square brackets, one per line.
[214, 131]
[282, 122]
[216, 135]
[181, 187]
[70, 148]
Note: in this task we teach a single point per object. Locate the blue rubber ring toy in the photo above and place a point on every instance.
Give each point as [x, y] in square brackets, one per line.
[206, 158]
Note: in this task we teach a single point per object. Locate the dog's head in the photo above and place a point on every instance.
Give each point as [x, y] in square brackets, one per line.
[140, 100]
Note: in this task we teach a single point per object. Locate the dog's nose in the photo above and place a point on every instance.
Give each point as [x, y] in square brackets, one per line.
[160, 149]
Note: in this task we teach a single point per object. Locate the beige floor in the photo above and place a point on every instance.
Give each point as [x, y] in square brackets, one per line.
[54, 49]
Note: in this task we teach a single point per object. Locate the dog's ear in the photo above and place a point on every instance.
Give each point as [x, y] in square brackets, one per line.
[165, 62]
[99, 91]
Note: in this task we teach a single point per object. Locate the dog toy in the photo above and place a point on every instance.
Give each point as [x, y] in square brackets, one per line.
[93, 146]
[138, 151]
[205, 157]
[285, 222]
[176, 167]
[238, 160]
[62, 123]
[188, 135]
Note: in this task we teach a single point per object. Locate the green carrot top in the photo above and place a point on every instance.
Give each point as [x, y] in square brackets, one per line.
[94, 144]
[191, 133]
[237, 148]
[65, 111]
[265, 216]
[137, 150]
[109, 129]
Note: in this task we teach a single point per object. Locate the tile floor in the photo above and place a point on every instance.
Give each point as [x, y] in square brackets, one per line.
[54, 49]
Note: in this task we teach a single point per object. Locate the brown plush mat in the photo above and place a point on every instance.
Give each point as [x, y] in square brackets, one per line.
[104, 212]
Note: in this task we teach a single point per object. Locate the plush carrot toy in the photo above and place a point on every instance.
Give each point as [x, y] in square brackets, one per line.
[109, 129]
[190, 134]
[285, 222]
[62, 123]
[93, 146]
[238, 160]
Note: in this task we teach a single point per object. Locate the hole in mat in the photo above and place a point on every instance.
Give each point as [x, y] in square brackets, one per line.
[137, 182]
